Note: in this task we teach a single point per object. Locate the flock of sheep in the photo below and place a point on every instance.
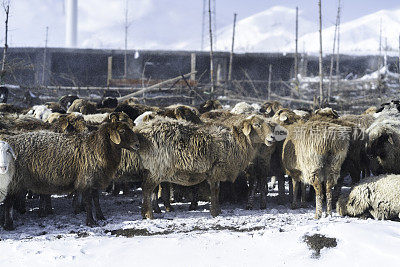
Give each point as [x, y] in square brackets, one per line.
[78, 147]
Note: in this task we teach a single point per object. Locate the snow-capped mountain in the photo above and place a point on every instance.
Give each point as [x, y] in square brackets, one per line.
[359, 36]
[270, 30]
[273, 31]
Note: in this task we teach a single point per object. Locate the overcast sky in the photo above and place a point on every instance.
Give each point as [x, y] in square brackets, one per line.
[155, 24]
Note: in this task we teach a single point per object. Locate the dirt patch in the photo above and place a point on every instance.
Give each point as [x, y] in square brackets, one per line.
[131, 232]
[316, 242]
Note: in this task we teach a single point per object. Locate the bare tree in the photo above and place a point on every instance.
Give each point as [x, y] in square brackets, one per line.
[6, 6]
[211, 48]
[126, 27]
[333, 52]
[296, 64]
[338, 52]
[321, 75]
[44, 57]
[233, 43]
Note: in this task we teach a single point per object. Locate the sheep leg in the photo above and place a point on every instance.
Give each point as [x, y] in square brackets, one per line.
[147, 189]
[303, 195]
[281, 188]
[97, 208]
[42, 206]
[263, 191]
[318, 198]
[295, 192]
[154, 202]
[337, 189]
[329, 185]
[252, 191]
[8, 218]
[166, 196]
[87, 198]
[195, 197]
[20, 203]
[215, 208]
[77, 203]
[47, 205]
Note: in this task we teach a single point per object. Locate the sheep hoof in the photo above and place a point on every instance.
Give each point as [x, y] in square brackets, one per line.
[249, 207]
[317, 216]
[156, 209]
[193, 207]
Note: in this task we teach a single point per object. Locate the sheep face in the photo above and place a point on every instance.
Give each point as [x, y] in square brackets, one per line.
[120, 116]
[122, 135]
[285, 116]
[383, 146]
[356, 203]
[259, 130]
[6, 155]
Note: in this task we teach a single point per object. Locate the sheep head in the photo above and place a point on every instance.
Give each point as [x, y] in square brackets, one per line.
[327, 112]
[6, 155]
[285, 117]
[383, 144]
[259, 130]
[122, 136]
[355, 203]
[120, 116]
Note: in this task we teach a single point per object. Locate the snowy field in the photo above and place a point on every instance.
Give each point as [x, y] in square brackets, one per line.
[238, 237]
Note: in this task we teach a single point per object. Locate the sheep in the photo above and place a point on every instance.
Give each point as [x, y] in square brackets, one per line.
[313, 153]
[67, 100]
[8, 108]
[187, 154]
[108, 102]
[269, 108]
[209, 105]
[134, 110]
[55, 107]
[384, 143]
[376, 196]
[40, 112]
[257, 171]
[84, 163]
[7, 167]
[82, 106]
[242, 108]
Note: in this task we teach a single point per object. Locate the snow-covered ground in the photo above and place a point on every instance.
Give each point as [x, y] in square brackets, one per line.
[236, 238]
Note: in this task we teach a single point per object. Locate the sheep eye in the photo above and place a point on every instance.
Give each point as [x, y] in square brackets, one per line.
[257, 125]
[122, 130]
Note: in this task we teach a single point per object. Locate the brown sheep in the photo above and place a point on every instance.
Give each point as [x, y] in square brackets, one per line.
[209, 105]
[269, 108]
[313, 153]
[83, 163]
[83, 106]
[188, 154]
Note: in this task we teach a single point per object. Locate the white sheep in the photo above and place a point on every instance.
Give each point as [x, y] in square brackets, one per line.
[243, 108]
[40, 112]
[139, 120]
[7, 167]
[379, 196]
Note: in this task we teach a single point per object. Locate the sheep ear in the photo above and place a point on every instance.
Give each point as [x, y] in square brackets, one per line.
[64, 125]
[115, 138]
[178, 114]
[247, 128]
[268, 110]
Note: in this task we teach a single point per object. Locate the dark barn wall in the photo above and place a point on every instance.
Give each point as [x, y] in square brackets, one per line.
[88, 67]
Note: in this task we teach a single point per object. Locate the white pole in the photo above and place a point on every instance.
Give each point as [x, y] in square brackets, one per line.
[71, 27]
